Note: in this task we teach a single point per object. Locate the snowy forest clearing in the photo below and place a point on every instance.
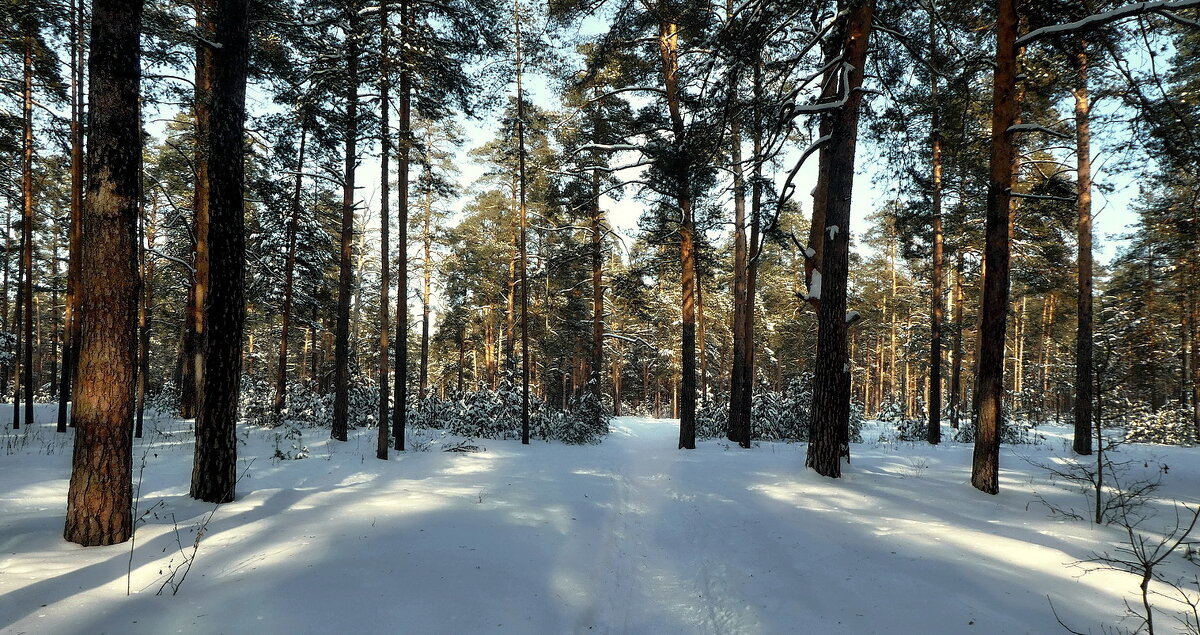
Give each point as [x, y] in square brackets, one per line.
[631, 535]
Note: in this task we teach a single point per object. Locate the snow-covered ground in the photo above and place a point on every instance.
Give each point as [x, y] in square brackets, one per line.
[629, 536]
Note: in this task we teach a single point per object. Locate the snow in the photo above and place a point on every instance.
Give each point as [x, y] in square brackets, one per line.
[814, 288]
[832, 230]
[631, 535]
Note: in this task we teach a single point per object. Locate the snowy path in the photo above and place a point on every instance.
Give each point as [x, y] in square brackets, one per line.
[629, 536]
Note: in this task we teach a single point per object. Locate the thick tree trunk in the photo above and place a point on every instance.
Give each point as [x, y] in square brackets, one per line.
[214, 473]
[385, 143]
[1083, 331]
[100, 494]
[989, 384]
[289, 274]
[831, 382]
[341, 353]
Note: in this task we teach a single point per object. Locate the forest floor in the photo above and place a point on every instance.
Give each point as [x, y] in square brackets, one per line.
[628, 536]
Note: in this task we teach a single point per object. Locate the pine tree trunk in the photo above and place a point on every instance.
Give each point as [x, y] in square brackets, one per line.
[341, 352]
[289, 274]
[100, 494]
[385, 143]
[524, 264]
[754, 251]
[145, 315]
[597, 361]
[1083, 332]
[214, 472]
[25, 289]
[400, 383]
[668, 46]
[193, 394]
[738, 429]
[934, 435]
[71, 308]
[831, 382]
[426, 263]
[989, 385]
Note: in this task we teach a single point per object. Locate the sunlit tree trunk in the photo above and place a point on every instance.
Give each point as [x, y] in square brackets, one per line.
[100, 494]
[989, 384]
[1083, 332]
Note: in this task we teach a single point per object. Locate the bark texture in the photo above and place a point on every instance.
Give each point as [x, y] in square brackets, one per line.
[214, 472]
[100, 494]
[828, 428]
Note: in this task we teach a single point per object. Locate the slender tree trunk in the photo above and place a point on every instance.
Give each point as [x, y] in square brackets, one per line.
[25, 286]
[149, 227]
[738, 429]
[934, 435]
[400, 383]
[214, 472]
[426, 262]
[341, 354]
[18, 320]
[598, 305]
[746, 394]
[831, 382]
[6, 368]
[289, 274]
[385, 143]
[1083, 332]
[100, 494]
[71, 308]
[193, 393]
[989, 385]
[524, 264]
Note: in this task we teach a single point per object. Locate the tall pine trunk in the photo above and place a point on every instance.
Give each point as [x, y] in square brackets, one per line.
[524, 263]
[400, 385]
[71, 306]
[145, 313]
[100, 494]
[214, 472]
[989, 383]
[385, 143]
[668, 46]
[1083, 331]
[341, 351]
[597, 360]
[739, 423]
[934, 435]
[289, 274]
[831, 381]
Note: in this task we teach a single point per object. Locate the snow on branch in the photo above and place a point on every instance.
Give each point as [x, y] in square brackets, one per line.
[1100, 19]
